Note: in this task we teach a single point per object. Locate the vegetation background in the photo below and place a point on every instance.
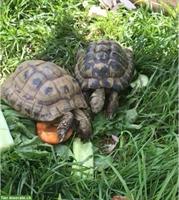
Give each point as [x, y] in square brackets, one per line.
[143, 166]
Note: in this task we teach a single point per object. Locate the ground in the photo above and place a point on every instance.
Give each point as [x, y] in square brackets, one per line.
[143, 166]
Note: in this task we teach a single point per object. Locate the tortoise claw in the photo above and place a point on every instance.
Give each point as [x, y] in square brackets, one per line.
[64, 125]
[63, 135]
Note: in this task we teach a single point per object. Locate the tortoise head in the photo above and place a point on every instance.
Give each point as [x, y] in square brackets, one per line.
[129, 53]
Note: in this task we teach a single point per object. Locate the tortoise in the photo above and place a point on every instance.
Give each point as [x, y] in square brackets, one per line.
[46, 92]
[105, 68]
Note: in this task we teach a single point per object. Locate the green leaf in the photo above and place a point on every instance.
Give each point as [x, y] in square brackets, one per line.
[63, 151]
[102, 162]
[83, 164]
[131, 115]
[30, 142]
[134, 126]
[142, 81]
[31, 154]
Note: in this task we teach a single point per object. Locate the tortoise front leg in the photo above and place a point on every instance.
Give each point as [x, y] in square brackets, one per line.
[84, 128]
[97, 100]
[112, 104]
[64, 125]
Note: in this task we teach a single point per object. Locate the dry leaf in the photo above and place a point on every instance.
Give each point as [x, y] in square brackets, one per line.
[119, 198]
[109, 143]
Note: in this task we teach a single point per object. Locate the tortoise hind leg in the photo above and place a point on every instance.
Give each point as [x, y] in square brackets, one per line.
[84, 128]
[64, 125]
[112, 104]
[97, 100]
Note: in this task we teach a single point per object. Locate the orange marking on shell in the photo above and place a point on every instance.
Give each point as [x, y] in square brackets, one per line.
[48, 133]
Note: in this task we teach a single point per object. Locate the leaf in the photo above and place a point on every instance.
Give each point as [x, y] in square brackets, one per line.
[102, 162]
[131, 115]
[31, 148]
[109, 143]
[59, 197]
[134, 126]
[83, 164]
[29, 142]
[63, 151]
[31, 154]
[119, 198]
[142, 81]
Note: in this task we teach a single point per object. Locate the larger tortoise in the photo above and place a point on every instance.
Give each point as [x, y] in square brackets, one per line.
[105, 67]
[45, 92]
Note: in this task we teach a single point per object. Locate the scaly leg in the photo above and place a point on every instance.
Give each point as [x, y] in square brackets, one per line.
[84, 128]
[97, 100]
[64, 125]
[112, 104]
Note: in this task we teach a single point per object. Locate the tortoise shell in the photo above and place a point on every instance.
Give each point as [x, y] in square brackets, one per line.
[42, 90]
[104, 64]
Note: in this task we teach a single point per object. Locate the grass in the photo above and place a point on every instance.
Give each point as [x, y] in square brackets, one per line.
[144, 164]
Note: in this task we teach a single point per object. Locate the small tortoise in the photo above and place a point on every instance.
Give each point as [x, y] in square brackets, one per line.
[105, 67]
[47, 93]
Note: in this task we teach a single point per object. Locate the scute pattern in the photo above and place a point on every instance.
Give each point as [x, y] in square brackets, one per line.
[104, 64]
[42, 90]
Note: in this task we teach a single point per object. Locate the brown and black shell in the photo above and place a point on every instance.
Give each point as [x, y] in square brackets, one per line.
[104, 64]
[42, 90]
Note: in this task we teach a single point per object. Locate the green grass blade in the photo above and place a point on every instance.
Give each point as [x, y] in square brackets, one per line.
[165, 183]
